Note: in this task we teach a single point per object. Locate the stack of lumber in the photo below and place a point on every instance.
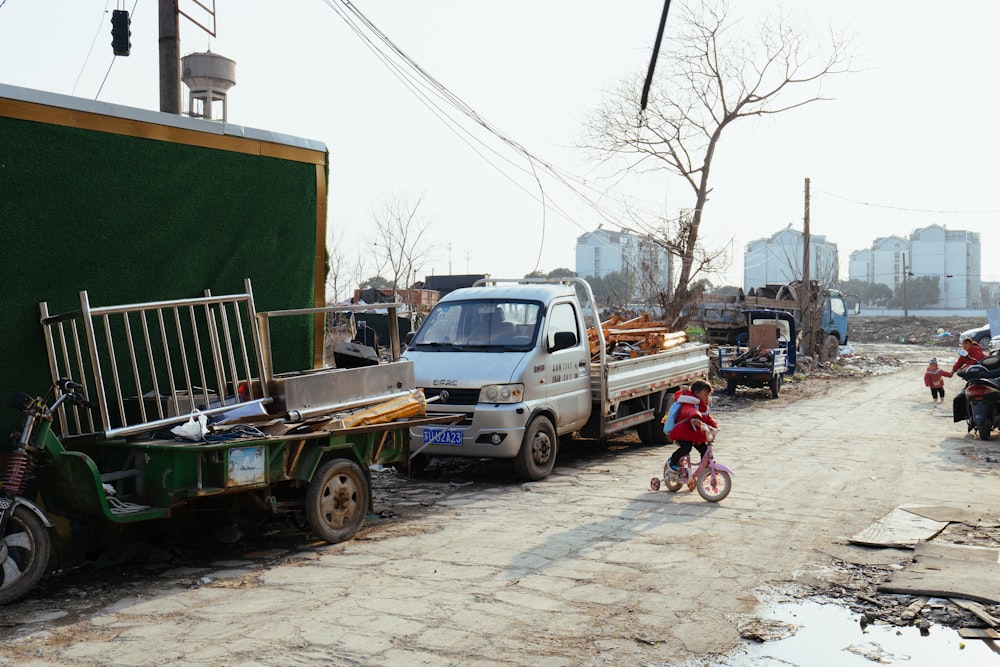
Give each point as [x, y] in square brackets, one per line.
[412, 405]
[643, 335]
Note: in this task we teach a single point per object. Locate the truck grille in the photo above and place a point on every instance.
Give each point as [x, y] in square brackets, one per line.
[453, 396]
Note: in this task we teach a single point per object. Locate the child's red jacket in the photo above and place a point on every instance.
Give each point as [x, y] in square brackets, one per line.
[691, 408]
[934, 377]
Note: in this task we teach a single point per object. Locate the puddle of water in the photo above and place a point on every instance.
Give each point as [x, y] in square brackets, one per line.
[831, 635]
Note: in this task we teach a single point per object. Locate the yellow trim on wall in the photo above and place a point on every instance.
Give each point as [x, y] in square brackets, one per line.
[319, 323]
[85, 120]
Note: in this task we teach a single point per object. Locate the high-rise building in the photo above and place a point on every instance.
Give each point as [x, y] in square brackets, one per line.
[638, 258]
[778, 259]
[952, 256]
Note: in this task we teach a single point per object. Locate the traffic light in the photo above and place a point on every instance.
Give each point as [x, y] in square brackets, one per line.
[121, 32]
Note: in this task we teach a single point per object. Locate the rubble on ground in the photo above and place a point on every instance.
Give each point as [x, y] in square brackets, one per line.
[913, 330]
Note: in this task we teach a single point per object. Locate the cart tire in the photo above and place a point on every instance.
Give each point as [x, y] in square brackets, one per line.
[731, 387]
[713, 493]
[538, 451]
[337, 500]
[776, 386]
[25, 549]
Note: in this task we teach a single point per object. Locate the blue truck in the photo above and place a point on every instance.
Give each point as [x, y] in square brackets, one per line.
[724, 317]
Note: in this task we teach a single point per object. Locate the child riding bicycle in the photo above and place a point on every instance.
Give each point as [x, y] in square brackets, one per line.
[694, 426]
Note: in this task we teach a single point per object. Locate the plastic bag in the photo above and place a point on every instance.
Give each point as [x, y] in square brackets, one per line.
[194, 429]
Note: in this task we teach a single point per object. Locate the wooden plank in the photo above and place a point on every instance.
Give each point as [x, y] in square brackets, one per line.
[956, 552]
[977, 610]
[978, 633]
[948, 578]
[899, 528]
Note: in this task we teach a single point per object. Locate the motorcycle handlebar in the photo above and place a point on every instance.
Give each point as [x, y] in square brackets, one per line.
[68, 385]
[74, 392]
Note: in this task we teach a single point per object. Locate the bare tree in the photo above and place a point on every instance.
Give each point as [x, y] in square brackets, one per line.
[337, 270]
[709, 77]
[401, 250]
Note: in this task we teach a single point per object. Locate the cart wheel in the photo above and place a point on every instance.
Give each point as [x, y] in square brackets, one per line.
[715, 491]
[337, 500]
[731, 387]
[24, 554]
[775, 385]
[654, 484]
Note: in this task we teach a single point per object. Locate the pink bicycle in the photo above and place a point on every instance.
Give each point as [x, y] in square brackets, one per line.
[712, 479]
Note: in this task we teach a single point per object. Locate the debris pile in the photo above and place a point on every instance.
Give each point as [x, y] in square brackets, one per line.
[754, 357]
[911, 330]
[636, 337]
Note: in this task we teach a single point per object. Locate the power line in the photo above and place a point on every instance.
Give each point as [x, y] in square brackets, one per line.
[909, 210]
[435, 96]
[83, 66]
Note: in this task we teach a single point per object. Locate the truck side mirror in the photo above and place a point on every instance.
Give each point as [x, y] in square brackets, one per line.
[563, 340]
[409, 338]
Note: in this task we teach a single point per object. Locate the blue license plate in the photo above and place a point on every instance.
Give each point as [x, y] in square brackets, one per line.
[443, 436]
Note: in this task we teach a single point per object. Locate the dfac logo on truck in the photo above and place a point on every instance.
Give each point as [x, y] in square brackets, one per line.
[444, 383]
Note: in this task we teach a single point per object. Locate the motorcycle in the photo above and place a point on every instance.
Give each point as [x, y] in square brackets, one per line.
[979, 402]
[26, 538]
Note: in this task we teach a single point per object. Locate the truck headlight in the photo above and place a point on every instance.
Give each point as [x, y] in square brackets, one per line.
[501, 393]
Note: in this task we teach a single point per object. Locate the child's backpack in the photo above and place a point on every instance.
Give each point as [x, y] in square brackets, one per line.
[670, 421]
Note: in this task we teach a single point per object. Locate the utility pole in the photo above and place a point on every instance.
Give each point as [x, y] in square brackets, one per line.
[170, 57]
[906, 272]
[806, 297]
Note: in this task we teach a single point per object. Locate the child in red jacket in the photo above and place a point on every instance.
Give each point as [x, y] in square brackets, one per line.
[934, 378]
[693, 422]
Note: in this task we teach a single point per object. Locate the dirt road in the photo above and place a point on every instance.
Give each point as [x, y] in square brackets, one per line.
[588, 567]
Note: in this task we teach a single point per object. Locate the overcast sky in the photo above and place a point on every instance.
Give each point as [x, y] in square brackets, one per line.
[909, 141]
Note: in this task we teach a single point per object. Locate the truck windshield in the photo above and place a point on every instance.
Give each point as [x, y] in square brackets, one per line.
[480, 324]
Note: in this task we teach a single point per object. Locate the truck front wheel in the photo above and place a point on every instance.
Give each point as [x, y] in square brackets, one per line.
[538, 451]
[831, 349]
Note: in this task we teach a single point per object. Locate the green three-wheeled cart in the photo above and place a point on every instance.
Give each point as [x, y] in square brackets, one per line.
[161, 405]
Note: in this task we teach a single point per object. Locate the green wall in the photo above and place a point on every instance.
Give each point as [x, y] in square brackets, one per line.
[133, 219]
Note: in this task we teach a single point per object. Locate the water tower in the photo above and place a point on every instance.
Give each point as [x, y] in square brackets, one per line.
[208, 77]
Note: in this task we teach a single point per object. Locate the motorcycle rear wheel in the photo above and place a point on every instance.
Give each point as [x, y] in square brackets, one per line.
[984, 427]
[25, 548]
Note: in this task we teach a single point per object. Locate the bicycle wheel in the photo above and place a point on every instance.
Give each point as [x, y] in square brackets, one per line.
[714, 491]
[670, 481]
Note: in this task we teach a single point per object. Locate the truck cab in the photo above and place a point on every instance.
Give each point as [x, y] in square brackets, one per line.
[833, 313]
[514, 359]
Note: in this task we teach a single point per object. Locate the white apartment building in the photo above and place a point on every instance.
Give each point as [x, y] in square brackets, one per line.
[778, 259]
[604, 251]
[951, 255]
